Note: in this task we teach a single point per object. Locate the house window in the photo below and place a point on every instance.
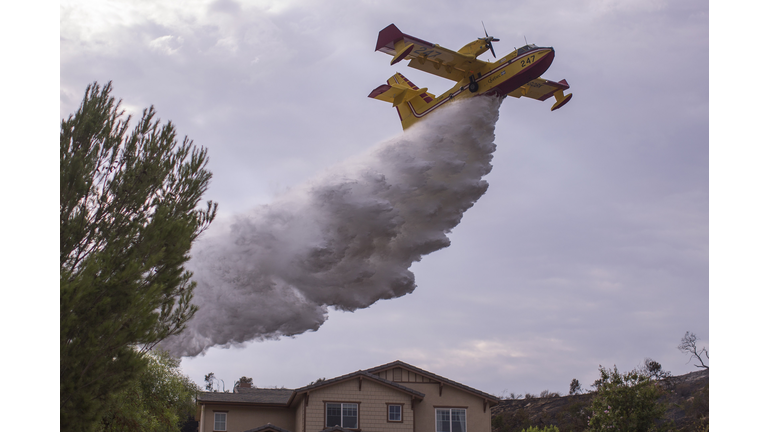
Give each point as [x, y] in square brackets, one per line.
[451, 420]
[395, 413]
[341, 414]
[219, 421]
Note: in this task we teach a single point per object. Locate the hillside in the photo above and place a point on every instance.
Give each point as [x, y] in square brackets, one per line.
[687, 396]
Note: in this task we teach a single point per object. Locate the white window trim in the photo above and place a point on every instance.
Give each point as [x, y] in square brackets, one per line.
[214, 420]
[389, 419]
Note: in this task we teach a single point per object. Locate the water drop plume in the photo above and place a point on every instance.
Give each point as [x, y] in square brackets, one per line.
[345, 239]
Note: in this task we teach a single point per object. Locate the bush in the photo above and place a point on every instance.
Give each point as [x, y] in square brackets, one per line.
[511, 421]
[574, 417]
[549, 394]
[497, 422]
[697, 408]
[626, 402]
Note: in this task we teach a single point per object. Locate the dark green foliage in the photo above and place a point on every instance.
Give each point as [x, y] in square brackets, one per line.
[575, 387]
[211, 381]
[574, 418]
[189, 424]
[626, 402]
[697, 409]
[160, 399]
[682, 403]
[497, 422]
[549, 394]
[511, 422]
[128, 218]
[244, 382]
[653, 370]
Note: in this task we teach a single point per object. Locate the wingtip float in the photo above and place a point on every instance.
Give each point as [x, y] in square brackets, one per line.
[516, 74]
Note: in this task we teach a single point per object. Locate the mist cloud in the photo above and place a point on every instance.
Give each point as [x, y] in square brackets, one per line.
[345, 239]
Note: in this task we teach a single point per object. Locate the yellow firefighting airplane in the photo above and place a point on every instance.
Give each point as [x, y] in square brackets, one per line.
[516, 74]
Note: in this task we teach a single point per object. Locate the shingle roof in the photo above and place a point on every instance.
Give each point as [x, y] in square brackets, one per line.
[398, 363]
[249, 395]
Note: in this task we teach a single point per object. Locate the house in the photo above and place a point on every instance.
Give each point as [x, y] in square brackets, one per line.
[395, 397]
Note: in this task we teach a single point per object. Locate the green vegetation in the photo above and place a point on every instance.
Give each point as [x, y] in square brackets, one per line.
[128, 218]
[647, 398]
[695, 405]
[574, 388]
[159, 399]
[627, 402]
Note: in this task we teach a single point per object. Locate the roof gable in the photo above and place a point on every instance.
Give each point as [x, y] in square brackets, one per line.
[359, 375]
[398, 371]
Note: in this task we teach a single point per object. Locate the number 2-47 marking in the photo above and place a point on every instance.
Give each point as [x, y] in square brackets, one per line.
[526, 62]
[422, 50]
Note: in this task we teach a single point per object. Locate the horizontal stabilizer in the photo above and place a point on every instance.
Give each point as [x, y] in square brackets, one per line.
[406, 95]
[399, 90]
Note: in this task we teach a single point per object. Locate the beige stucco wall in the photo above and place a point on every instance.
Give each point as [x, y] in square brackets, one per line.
[372, 408]
[242, 418]
[298, 412]
[477, 420]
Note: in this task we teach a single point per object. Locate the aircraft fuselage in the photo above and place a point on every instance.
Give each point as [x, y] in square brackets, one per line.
[517, 74]
[499, 78]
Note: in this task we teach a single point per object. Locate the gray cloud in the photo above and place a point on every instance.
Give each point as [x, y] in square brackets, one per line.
[346, 239]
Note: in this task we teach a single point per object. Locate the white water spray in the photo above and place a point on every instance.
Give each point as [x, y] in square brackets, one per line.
[345, 239]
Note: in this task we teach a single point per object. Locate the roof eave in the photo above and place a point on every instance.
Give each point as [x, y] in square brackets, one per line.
[443, 380]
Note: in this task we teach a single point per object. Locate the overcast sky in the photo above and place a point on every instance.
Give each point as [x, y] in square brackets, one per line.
[590, 246]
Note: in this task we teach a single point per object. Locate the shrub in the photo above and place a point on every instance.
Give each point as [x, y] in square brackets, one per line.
[549, 394]
[511, 421]
[574, 417]
[697, 408]
[626, 402]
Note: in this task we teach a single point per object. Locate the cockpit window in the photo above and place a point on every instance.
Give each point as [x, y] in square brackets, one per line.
[525, 49]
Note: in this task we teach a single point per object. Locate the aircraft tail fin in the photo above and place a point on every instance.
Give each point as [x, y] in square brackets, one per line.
[405, 96]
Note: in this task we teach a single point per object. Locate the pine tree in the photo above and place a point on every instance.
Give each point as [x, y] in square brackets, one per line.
[128, 219]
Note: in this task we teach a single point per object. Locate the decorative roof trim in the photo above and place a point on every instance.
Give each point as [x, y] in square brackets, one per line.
[359, 374]
[442, 380]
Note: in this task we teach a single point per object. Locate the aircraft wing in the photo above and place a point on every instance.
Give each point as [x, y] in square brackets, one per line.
[539, 89]
[426, 56]
[542, 89]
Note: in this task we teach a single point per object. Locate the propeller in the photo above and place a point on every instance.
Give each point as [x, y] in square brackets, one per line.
[489, 40]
